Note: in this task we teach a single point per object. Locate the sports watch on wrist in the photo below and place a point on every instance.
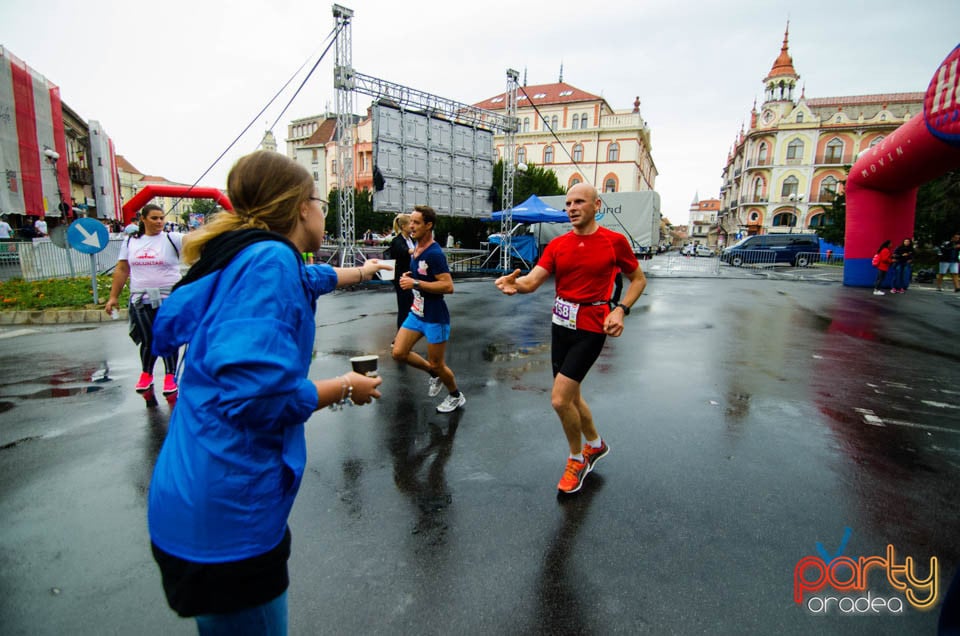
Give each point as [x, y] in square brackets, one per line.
[416, 282]
[626, 310]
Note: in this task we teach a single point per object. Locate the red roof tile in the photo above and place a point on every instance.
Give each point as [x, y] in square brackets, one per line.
[558, 93]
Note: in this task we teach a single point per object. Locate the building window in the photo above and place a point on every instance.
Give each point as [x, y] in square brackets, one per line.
[316, 176]
[583, 120]
[875, 141]
[818, 220]
[526, 124]
[610, 185]
[795, 150]
[613, 152]
[521, 155]
[834, 151]
[799, 117]
[548, 154]
[762, 154]
[578, 152]
[790, 186]
[576, 122]
[574, 181]
[553, 122]
[333, 166]
[757, 188]
[828, 189]
[784, 219]
[313, 155]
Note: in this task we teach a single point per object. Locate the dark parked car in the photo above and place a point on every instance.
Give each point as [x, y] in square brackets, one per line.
[799, 250]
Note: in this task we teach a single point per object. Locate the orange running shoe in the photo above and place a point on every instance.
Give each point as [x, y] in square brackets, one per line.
[591, 454]
[573, 476]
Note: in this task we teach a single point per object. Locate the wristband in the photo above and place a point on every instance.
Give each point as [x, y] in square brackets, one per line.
[346, 394]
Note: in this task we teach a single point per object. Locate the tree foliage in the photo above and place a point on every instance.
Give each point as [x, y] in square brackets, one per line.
[199, 207]
[536, 180]
[938, 210]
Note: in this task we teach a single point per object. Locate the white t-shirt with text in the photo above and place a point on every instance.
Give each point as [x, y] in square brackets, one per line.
[154, 263]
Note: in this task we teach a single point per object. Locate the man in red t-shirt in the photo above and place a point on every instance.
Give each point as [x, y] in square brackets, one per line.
[585, 262]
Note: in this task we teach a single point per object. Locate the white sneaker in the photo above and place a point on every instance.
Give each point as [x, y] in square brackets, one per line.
[451, 403]
[436, 385]
[877, 292]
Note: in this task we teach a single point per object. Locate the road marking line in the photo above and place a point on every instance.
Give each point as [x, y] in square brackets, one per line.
[17, 332]
[926, 427]
[869, 417]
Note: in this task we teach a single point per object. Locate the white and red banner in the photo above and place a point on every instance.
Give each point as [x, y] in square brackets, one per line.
[31, 129]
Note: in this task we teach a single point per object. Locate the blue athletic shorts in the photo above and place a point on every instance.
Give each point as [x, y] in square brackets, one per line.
[948, 268]
[436, 332]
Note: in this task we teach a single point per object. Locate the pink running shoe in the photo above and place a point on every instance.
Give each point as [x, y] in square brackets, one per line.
[169, 385]
[145, 382]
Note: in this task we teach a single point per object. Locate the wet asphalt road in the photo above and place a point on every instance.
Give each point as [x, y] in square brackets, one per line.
[748, 420]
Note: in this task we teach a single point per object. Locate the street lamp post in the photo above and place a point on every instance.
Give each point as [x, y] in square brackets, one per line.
[795, 198]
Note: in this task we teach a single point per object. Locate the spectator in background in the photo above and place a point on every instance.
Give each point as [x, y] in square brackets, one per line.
[150, 259]
[881, 260]
[401, 247]
[902, 267]
[41, 227]
[5, 228]
[949, 253]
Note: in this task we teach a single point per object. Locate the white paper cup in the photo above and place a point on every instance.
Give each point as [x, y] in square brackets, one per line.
[387, 274]
[366, 365]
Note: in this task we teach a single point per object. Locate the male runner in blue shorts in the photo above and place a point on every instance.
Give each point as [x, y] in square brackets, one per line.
[585, 262]
[429, 278]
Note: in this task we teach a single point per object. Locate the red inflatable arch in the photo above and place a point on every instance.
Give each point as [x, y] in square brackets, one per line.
[882, 185]
[141, 198]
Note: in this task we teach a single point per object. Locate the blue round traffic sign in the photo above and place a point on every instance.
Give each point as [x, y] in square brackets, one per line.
[88, 235]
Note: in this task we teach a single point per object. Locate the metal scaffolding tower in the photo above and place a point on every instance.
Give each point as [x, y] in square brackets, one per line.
[347, 81]
[509, 170]
[343, 83]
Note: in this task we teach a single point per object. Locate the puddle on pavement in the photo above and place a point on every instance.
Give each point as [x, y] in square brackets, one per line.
[64, 383]
[495, 352]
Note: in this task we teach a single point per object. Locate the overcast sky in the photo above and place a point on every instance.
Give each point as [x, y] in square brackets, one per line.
[174, 83]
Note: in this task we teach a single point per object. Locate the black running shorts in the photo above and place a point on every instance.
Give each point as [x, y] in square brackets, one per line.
[574, 351]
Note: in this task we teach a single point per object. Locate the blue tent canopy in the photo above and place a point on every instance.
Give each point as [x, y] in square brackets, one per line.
[534, 210]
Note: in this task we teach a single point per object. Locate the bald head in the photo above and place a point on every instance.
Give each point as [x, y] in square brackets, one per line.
[585, 190]
[582, 206]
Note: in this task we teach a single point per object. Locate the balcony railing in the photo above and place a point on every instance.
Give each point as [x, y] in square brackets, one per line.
[759, 163]
[750, 199]
[80, 175]
[829, 160]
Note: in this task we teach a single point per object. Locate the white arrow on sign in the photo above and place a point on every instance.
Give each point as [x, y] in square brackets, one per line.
[90, 239]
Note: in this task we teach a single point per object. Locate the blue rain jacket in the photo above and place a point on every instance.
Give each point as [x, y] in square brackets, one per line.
[231, 465]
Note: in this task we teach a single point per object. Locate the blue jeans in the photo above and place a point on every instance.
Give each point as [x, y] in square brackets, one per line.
[902, 272]
[269, 619]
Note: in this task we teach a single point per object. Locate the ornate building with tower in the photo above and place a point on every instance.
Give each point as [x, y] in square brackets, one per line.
[785, 170]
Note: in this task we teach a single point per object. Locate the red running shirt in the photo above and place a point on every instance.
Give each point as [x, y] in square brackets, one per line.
[585, 267]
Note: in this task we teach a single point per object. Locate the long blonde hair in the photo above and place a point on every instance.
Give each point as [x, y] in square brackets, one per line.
[266, 190]
[399, 222]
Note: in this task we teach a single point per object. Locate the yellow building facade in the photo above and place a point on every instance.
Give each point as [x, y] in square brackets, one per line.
[580, 138]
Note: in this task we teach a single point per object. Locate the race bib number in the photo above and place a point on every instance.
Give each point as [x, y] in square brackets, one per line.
[565, 313]
[417, 306]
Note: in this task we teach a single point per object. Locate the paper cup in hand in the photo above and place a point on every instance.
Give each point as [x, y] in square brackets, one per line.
[366, 365]
[387, 274]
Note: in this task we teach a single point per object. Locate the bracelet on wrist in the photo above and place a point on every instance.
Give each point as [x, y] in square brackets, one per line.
[346, 394]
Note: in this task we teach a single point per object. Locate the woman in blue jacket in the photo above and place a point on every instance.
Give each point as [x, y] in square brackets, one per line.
[228, 472]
